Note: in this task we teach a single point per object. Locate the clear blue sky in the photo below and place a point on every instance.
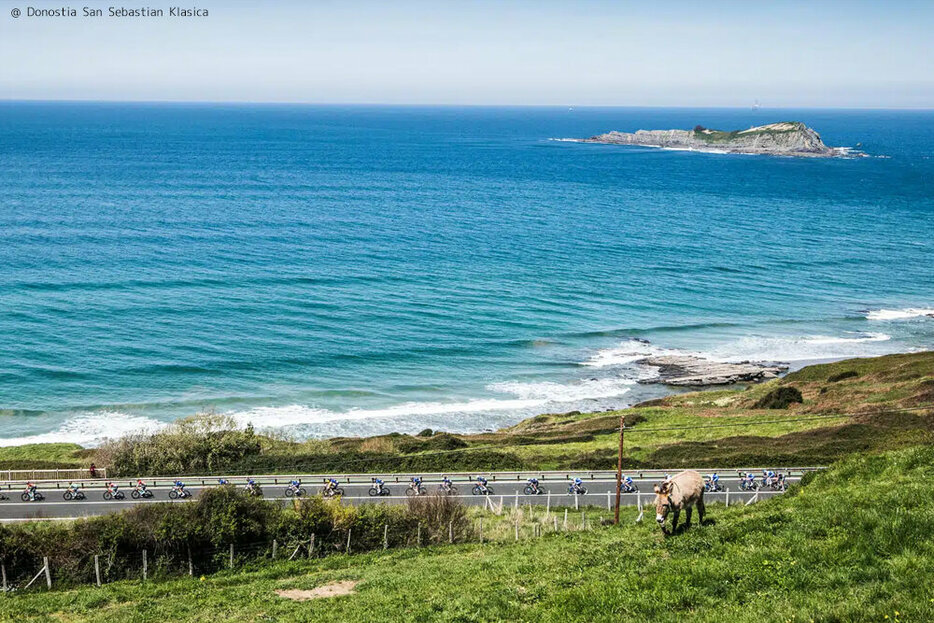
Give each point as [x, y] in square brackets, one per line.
[810, 53]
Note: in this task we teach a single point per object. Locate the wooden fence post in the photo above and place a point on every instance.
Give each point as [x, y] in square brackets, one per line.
[576, 502]
[275, 548]
[548, 505]
[565, 520]
[97, 569]
[191, 566]
[3, 570]
[556, 523]
[48, 572]
[145, 564]
[311, 544]
[517, 527]
[727, 497]
[418, 536]
[385, 536]
[481, 543]
[450, 531]
[231, 555]
[348, 540]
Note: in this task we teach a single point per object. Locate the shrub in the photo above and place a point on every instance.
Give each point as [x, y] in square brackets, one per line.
[204, 443]
[780, 398]
[849, 374]
[435, 513]
[202, 530]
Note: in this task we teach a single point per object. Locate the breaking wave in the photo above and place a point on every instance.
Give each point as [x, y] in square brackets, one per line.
[900, 314]
[90, 429]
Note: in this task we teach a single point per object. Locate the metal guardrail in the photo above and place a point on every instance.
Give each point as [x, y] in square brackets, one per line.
[64, 476]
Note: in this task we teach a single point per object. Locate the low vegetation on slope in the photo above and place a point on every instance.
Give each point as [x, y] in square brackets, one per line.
[856, 543]
[813, 416]
[44, 456]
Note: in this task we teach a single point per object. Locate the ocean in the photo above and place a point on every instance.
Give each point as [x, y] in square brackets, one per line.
[355, 270]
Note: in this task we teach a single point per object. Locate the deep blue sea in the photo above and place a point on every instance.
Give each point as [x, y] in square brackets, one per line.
[356, 270]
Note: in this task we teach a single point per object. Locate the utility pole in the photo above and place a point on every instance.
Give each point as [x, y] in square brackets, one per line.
[619, 467]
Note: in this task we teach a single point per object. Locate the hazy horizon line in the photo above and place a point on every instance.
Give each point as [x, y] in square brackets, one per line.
[445, 105]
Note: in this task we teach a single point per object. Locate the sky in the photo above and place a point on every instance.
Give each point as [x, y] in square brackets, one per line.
[506, 52]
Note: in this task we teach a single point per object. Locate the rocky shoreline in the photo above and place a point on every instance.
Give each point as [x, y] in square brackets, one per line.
[787, 138]
[689, 371]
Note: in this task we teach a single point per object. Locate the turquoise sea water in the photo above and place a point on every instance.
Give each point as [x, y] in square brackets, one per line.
[353, 270]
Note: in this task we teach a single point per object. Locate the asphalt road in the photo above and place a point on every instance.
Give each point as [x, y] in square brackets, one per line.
[507, 489]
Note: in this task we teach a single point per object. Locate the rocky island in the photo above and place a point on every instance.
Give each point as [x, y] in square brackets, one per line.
[690, 371]
[787, 138]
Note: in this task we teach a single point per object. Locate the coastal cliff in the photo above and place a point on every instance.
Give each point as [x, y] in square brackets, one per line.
[787, 138]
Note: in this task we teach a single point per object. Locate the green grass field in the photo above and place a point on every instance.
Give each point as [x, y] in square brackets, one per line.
[44, 456]
[856, 543]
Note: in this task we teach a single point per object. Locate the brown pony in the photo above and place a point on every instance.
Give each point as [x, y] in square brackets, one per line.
[683, 491]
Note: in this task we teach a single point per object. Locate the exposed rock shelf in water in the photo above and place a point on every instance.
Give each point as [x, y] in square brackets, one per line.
[688, 371]
[787, 138]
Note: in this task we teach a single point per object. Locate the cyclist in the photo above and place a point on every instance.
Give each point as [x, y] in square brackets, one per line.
[378, 485]
[73, 487]
[222, 481]
[179, 487]
[446, 483]
[140, 485]
[481, 482]
[31, 491]
[112, 488]
[250, 485]
[329, 487]
[768, 478]
[417, 484]
[577, 486]
[533, 483]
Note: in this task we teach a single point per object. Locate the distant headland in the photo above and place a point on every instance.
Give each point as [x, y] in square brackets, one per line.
[786, 138]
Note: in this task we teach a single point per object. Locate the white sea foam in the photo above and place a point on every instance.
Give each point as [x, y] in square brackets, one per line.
[900, 314]
[90, 429]
[456, 416]
[627, 352]
[589, 389]
[301, 415]
[801, 348]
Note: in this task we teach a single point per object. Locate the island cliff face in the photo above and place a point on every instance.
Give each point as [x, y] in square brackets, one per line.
[787, 138]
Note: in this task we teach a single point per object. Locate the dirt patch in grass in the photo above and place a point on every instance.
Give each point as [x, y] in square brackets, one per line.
[334, 589]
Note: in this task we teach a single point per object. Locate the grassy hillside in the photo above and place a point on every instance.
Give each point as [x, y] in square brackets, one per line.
[848, 406]
[856, 543]
[44, 456]
[883, 403]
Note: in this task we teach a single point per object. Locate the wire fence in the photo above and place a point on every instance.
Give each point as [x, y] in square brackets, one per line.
[509, 518]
